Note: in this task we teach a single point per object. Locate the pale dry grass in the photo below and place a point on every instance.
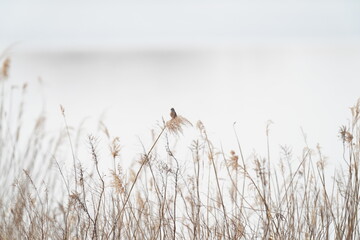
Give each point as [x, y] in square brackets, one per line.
[218, 194]
[175, 125]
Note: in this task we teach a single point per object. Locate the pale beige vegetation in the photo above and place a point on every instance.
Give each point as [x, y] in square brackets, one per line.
[213, 195]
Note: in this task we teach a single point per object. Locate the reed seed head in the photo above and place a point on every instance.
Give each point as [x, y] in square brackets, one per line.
[176, 123]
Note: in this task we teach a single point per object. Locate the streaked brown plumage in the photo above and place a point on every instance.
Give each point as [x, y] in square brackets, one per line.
[173, 113]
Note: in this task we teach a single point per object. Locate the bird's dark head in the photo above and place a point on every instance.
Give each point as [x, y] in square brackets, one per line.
[172, 109]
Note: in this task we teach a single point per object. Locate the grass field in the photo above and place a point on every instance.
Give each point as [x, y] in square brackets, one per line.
[213, 195]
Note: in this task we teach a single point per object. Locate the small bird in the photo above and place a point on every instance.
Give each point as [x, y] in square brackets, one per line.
[173, 113]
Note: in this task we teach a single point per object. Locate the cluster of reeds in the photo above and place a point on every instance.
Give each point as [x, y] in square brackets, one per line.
[213, 195]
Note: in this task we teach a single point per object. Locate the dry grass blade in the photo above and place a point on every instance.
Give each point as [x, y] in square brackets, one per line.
[168, 197]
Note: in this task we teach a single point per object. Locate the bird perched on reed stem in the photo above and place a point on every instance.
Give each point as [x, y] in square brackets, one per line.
[173, 113]
[176, 123]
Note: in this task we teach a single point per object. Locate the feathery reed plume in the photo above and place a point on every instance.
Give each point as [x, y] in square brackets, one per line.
[176, 123]
[355, 111]
[233, 162]
[345, 135]
[117, 183]
[115, 147]
[5, 68]
[115, 150]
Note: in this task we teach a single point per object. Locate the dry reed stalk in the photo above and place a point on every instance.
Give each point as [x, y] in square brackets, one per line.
[295, 200]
